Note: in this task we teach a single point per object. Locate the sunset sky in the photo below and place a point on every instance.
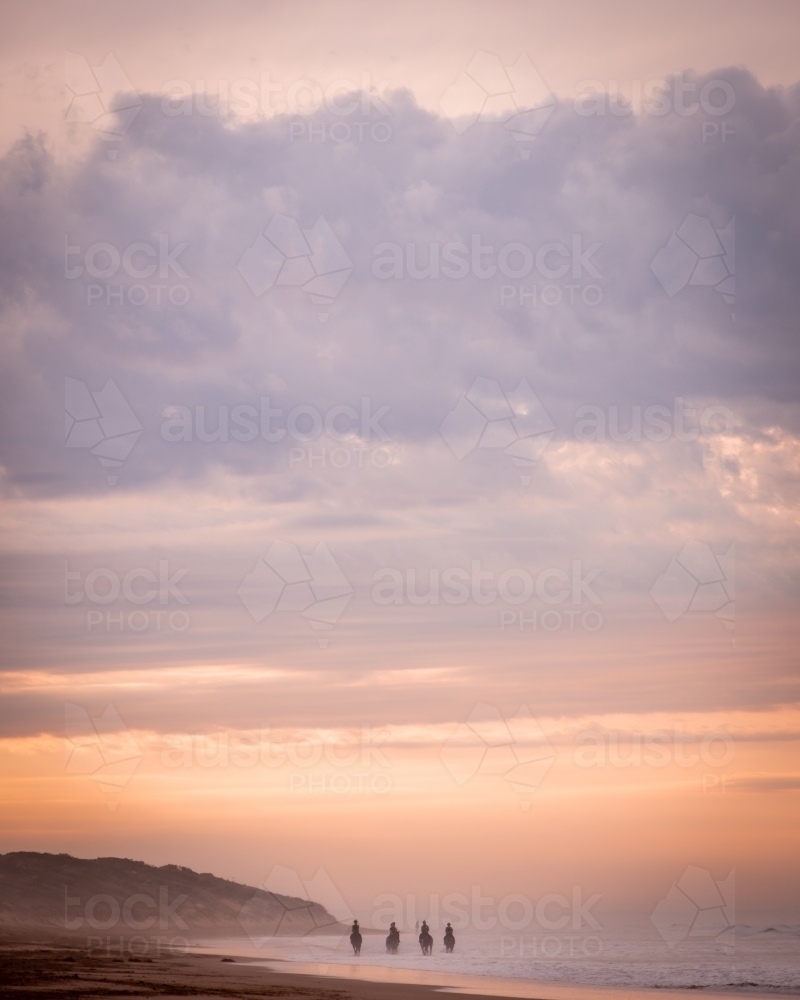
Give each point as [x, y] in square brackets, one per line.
[405, 393]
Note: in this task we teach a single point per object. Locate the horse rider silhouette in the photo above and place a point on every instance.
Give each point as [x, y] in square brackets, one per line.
[449, 938]
[425, 940]
[355, 938]
[393, 940]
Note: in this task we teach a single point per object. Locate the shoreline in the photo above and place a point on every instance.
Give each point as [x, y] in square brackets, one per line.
[496, 986]
[58, 970]
[518, 980]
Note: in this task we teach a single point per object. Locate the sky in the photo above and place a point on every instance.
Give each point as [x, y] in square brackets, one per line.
[401, 444]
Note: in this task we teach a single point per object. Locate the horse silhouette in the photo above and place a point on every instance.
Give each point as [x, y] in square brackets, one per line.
[393, 940]
[426, 943]
[355, 939]
[449, 940]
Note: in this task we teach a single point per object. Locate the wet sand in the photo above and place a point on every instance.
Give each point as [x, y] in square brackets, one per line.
[63, 973]
[441, 982]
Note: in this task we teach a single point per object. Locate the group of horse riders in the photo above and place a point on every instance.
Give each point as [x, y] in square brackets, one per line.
[393, 938]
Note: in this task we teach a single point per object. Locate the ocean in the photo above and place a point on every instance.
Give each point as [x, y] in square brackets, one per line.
[749, 960]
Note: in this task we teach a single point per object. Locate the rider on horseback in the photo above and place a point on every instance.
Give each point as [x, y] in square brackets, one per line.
[393, 940]
[355, 938]
[425, 939]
